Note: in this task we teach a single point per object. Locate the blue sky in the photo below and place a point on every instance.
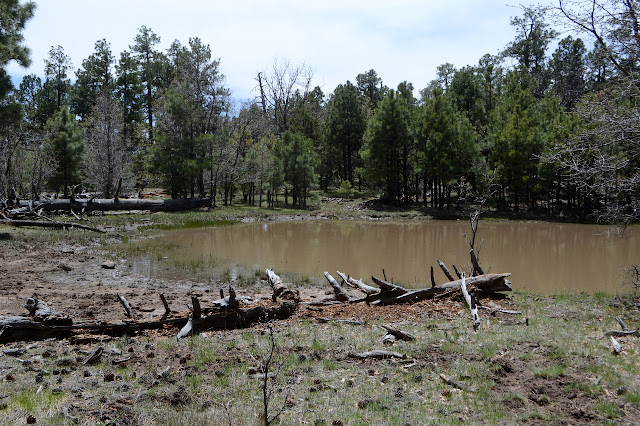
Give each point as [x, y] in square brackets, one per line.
[338, 39]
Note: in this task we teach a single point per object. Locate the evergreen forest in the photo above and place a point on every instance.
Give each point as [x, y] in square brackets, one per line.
[550, 125]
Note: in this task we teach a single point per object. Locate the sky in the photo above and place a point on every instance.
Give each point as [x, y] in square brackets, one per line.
[402, 40]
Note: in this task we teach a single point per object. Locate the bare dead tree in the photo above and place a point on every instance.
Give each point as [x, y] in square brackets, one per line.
[601, 160]
[612, 24]
[108, 159]
[480, 198]
[279, 88]
[270, 373]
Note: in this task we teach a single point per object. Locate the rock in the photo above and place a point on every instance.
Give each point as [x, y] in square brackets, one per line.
[64, 267]
[108, 264]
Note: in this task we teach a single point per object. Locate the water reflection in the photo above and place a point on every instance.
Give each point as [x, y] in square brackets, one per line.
[542, 257]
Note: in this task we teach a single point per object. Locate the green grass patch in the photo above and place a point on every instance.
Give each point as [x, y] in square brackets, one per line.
[607, 409]
[31, 401]
[550, 372]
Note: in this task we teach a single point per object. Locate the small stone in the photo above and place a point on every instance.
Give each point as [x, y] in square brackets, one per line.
[108, 264]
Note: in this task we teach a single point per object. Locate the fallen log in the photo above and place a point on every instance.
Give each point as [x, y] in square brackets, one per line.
[127, 307]
[167, 310]
[43, 313]
[455, 384]
[279, 288]
[97, 204]
[340, 293]
[241, 318]
[51, 224]
[378, 354]
[324, 320]
[391, 294]
[358, 284]
[624, 332]
[398, 334]
[445, 270]
[24, 328]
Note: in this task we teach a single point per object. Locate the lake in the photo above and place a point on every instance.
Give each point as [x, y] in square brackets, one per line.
[543, 257]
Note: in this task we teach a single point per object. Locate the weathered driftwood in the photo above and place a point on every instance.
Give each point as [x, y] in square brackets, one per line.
[281, 290]
[231, 300]
[477, 270]
[624, 332]
[391, 293]
[458, 273]
[49, 224]
[25, 328]
[378, 354]
[622, 324]
[240, 318]
[167, 310]
[445, 270]
[455, 384]
[43, 313]
[343, 321]
[95, 357]
[111, 204]
[127, 307]
[339, 292]
[358, 284]
[473, 307]
[398, 334]
[616, 346]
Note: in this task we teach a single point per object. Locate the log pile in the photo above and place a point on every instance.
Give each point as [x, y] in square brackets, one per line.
[389, 293]
[111, 204]
[44, 322]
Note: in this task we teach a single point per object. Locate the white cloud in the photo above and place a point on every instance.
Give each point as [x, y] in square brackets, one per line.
[401, 40]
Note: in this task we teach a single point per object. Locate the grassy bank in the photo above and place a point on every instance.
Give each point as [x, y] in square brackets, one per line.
[558, 368]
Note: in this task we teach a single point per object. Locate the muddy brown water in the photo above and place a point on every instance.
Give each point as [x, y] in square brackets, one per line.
[543, 257]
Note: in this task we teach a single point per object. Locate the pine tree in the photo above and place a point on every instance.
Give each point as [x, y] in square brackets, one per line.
[66, 144]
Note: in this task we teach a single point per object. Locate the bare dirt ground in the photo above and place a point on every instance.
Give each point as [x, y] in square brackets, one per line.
[72, 279]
